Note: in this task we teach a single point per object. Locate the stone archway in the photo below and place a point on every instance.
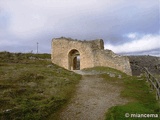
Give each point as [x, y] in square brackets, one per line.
[66, 53]
[74, 60]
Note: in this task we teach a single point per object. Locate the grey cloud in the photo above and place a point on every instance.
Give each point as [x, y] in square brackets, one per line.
[109, 20]
[154, 52]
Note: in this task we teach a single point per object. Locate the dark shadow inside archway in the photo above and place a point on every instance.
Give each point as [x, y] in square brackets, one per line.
[74, 60]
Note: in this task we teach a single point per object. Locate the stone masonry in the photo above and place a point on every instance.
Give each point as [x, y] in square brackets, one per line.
[65, 52]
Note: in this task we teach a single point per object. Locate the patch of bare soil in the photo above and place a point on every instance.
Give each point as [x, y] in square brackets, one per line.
[94, 96]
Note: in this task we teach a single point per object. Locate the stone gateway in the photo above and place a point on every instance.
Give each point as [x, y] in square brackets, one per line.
[75, 54]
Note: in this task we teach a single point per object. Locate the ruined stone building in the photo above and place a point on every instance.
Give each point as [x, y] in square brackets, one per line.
[75, 54]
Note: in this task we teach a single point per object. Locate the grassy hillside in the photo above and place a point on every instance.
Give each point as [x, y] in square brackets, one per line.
[135, 89]
[31, 87]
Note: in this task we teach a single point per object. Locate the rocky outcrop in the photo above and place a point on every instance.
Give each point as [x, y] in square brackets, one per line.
[152, 63]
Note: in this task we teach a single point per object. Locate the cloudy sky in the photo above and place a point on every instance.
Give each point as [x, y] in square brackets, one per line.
[126, 26]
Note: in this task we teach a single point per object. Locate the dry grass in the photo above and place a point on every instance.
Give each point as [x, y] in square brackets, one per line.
[32, 88]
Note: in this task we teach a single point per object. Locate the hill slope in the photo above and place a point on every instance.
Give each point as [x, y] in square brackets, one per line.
[31, 87]
[151, 62]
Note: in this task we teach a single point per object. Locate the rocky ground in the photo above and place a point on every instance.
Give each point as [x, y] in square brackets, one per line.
[150, 62]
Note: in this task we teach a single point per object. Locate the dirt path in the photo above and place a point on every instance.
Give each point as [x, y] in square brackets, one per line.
[92, 99]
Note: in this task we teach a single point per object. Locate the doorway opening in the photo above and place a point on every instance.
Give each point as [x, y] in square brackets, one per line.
[74, 60]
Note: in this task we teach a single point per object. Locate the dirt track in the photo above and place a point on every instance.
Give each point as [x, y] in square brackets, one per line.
[92, 99]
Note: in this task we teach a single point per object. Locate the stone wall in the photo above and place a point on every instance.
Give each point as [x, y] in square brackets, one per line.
[110, 59]
[92, 54]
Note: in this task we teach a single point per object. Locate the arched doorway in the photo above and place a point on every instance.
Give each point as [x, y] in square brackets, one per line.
[74, 60]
